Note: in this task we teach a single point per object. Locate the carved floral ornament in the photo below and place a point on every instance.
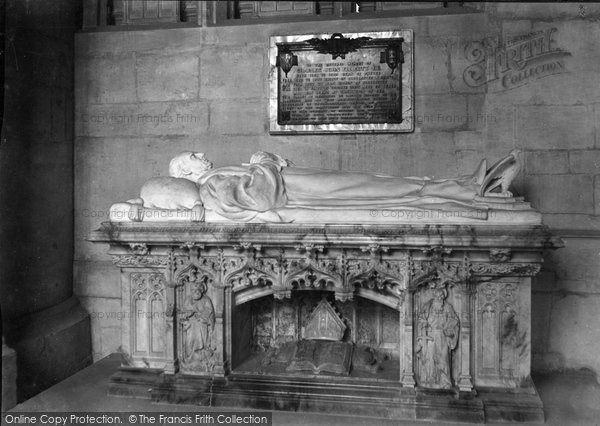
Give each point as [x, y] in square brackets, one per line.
[139, 248]
[439, 275]
[339, 46]
[500, 254]
[342, 274]
[252, 273]
[500, 269]
[251, 269]
[148, 284]
[137, 260]
[195, 274]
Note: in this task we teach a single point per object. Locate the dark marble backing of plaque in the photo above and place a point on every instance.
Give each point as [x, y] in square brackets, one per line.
[357, 91]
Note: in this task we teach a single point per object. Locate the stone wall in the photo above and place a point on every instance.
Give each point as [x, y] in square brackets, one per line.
[554, 120]
[142, 96]
[41, 319]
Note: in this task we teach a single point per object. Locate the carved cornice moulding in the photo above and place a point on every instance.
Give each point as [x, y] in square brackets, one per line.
[472, 238]
[577, 233]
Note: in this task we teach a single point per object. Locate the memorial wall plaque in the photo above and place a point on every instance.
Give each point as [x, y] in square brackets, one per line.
[341, 83]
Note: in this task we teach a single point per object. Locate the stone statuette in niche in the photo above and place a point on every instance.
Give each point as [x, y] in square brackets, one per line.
[197, 321]
[269, 189]
[438, 327]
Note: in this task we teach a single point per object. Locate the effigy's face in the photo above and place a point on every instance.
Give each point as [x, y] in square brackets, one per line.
[197, 163]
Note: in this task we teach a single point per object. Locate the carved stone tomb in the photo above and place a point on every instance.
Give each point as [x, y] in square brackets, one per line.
[408, 321]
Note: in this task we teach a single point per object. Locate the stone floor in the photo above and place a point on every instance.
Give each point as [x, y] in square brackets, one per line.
[569, 399]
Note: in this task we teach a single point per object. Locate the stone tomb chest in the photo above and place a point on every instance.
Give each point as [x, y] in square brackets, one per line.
[405, 321]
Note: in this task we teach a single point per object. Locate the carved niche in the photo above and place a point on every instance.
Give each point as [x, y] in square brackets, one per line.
[262, 325]
[501, 339]
[251, 270]
[437, 324]
[437, 336]
[196, 318]
[313, 273]
[384, 277]
[147, 311]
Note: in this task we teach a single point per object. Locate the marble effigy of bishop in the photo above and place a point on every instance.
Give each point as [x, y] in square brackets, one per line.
[270, 189]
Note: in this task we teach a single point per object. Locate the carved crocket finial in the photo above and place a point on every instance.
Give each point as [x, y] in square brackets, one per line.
[189, 245]
[310, 250]
[247, 246]
[373, 248]
[312, 247]
[193, 249]
[436, 252]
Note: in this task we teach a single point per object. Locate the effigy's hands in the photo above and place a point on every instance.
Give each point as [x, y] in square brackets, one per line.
[198, 212]
[267, 157]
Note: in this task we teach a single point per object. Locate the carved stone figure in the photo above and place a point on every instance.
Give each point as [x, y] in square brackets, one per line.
[198, 321]
[438, 327]
[257, 190]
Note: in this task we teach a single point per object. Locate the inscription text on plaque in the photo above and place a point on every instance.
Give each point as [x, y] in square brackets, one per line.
[365, 89]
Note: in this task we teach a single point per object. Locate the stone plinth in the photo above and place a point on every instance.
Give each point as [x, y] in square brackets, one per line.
[211, 305]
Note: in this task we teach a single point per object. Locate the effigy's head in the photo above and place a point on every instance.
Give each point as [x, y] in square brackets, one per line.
[189, 165]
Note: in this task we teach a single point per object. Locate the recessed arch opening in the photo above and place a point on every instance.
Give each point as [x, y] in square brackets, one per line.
[267, 333]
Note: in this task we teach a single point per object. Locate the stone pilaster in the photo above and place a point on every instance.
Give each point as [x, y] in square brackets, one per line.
[407, 373]
[465, 382]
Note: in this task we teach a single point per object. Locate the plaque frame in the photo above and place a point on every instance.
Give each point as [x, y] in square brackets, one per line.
[406, 85]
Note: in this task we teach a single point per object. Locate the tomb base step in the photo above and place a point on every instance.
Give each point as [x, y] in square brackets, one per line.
[329, 395]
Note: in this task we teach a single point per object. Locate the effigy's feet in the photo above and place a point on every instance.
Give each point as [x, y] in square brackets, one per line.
[479, 176]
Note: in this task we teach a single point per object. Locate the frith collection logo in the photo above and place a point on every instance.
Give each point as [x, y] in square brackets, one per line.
[515, 62]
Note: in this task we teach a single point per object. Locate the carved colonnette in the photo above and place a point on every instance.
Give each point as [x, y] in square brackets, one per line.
[450, 305]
